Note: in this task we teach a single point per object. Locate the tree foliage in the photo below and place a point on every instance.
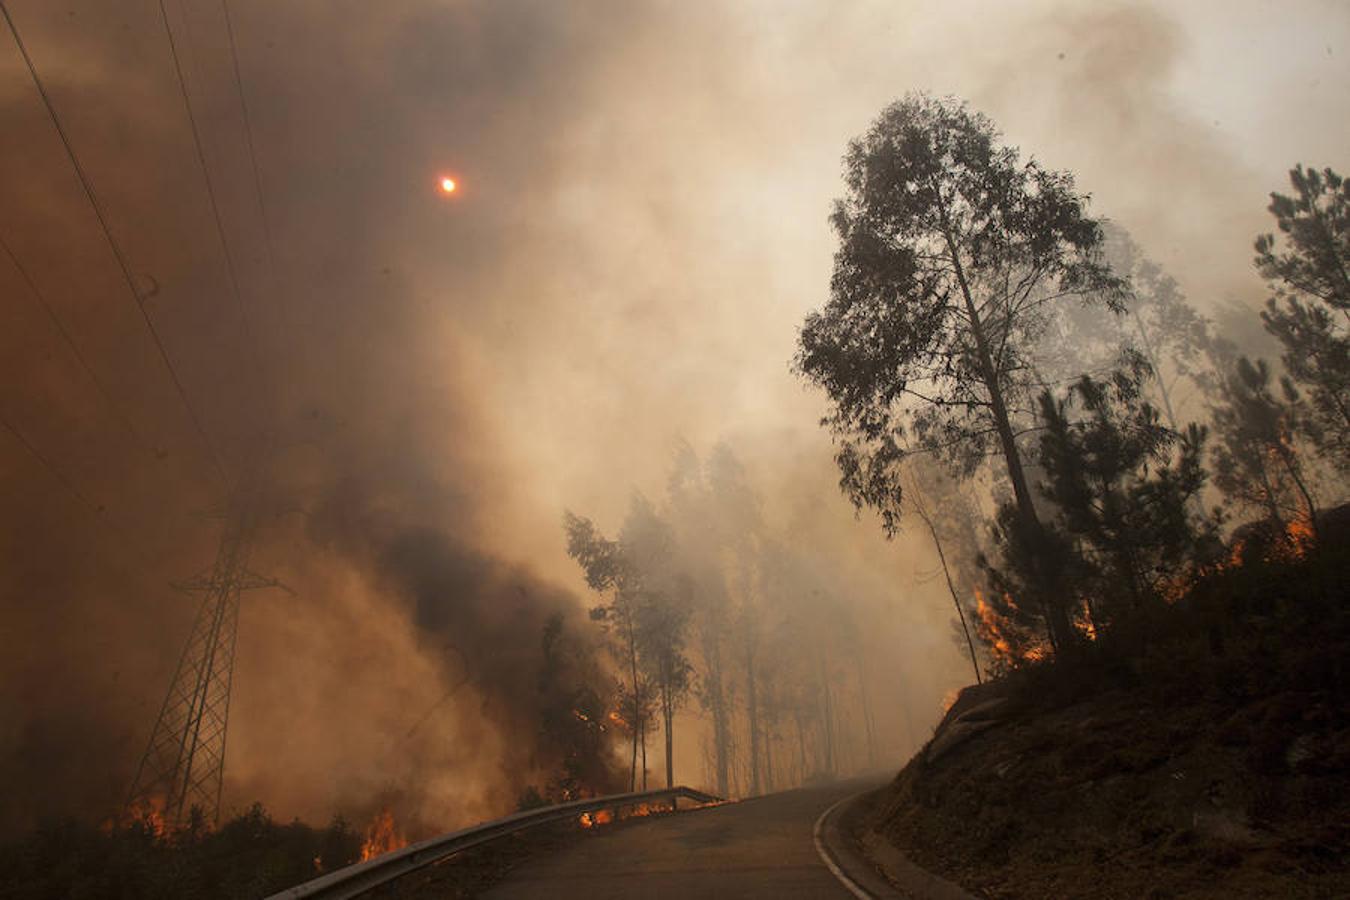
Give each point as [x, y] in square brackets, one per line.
[936, 210]
[954, 256]
[1256, 462]
[1119, 483]
[1308, 268]
[649, 608]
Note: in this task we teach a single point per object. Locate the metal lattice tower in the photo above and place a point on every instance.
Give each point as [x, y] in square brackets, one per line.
[184, 763]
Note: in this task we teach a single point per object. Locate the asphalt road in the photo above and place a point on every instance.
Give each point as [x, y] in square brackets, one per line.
[755, 848]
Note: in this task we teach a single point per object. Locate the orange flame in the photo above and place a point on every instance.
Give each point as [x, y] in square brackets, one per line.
[1294, 544]
[992, 625]
[1299, 537]
[382, 836]
[149, 815]
[599, 817]
[605, 816]
[994, 629]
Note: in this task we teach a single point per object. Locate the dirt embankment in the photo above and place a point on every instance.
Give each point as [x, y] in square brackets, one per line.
[1194, 774]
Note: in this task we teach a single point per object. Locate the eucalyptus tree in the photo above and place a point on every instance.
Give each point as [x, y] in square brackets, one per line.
[1170, 334]
[741, 536]
[693, 512]
[664, 608]
[954, 255]
[610, 572]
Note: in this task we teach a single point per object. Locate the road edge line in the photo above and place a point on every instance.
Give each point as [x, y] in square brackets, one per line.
[818, 835]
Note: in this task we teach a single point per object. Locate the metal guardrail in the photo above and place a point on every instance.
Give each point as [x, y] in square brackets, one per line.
[363, 876]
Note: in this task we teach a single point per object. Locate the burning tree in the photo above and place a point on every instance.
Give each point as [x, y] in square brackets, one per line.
[574, 718]
[649, 612]
[1119, 485]
[1257, 463]
[954, 255]
[608, 569]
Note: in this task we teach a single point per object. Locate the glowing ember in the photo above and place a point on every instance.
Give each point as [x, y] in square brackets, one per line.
[448, 185]
[382, 836]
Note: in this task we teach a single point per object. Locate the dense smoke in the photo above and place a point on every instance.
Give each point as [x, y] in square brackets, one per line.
[640, 227]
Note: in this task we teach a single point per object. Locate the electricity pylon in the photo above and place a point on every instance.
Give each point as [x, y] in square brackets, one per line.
[184, 763]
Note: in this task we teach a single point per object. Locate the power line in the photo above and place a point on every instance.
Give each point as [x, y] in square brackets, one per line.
[122, 262]
[248, 135]
[95, 511]
[117, 411]
[210, 187]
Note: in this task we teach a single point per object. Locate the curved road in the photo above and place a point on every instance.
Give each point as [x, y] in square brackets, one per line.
[755, 848]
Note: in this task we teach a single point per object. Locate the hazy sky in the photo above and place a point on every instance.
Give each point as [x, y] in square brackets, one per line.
[640, 229]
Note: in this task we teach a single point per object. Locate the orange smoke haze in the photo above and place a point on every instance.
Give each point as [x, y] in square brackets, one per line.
[438, 388]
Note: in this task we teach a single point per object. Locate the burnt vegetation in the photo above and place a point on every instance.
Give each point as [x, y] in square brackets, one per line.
[1143, 529]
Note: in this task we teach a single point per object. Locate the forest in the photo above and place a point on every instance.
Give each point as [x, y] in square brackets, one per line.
[1017, 381]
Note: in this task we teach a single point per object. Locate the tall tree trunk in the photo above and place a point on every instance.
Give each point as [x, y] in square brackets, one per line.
[917, 494]
[768, 758]
[829, 716]
[1157, 370]
[869, 730]
[1291, 466]
[801, 745]
[668, 710]
[1272, 502]
[1057, 616]
[644, 745]
[632, 769]
[716, 693]
[636, 724]
[1196, 503]
[752, 714]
